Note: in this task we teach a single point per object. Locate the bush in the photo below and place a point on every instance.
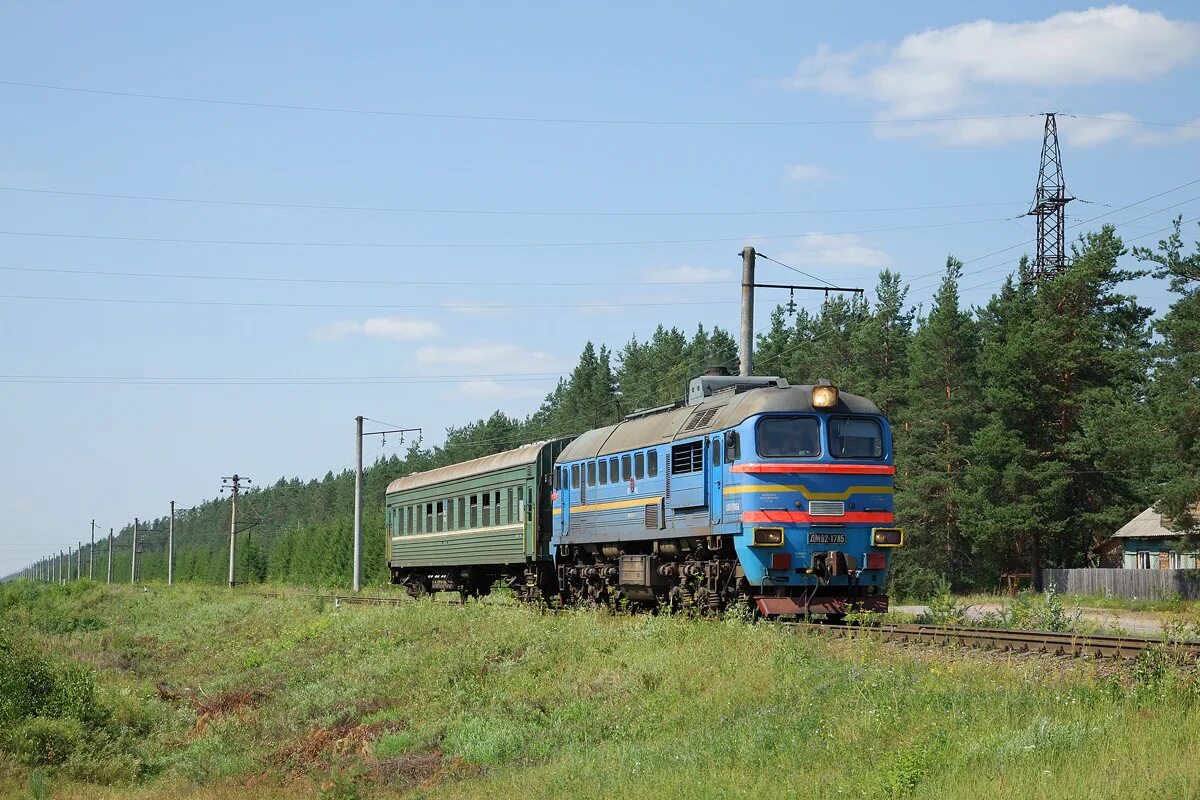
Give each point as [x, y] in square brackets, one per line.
[45, 740]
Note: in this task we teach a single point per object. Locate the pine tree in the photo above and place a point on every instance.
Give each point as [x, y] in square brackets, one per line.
[1175, 390]
[941, 411]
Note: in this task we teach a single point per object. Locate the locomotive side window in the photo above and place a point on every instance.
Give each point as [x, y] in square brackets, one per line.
[591, 470]
[575, 475]
[687, 457]
[603, 467]
[716, 452]
[614, 469]
[639, 465]
[789, 437]
[652, 464]
[625, 468]
[855, 437]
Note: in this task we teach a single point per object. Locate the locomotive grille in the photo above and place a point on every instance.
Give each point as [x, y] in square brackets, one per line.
[652, 518]
[700, 419]
[827, 508]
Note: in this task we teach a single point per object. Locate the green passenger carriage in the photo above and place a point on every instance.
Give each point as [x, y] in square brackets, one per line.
[463, 527]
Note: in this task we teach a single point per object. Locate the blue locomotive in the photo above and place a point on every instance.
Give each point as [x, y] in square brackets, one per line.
[750, 492]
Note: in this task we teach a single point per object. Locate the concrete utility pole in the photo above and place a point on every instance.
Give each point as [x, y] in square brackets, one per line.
[133, 563]
[358, 498]
[79, 561]
[746, 341]
[60, 562]
[234, 482]
[92, 553]
[171, 547]
[110, 537]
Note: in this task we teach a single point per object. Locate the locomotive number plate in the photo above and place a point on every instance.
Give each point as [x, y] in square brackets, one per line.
[827, 538]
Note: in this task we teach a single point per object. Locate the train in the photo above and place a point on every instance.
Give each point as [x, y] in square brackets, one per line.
[749, 494]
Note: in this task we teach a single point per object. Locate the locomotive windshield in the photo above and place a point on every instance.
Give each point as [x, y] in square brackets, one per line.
[855, 437]
[789, 437]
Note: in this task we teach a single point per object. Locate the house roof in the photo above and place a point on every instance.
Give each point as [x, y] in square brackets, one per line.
[1147, 525]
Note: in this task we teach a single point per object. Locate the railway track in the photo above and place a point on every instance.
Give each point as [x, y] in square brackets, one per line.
[1017, 641]
[995, 639]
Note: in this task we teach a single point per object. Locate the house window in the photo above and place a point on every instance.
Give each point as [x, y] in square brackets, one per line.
[1175, 561]
[1143, 559]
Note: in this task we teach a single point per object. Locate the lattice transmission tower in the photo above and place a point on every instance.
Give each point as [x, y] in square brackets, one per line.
[1049, 206]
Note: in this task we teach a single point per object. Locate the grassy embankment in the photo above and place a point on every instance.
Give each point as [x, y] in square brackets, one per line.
[193, 693]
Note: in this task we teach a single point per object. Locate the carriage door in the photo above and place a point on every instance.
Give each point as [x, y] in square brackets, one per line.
[717, 474]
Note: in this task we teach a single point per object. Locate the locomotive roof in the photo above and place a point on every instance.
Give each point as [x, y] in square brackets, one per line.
[717, 412]
[521, 456]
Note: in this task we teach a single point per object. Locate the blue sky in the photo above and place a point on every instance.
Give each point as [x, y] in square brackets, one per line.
[689, 195]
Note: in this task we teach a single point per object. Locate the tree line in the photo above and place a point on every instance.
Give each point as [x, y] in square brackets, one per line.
[1026, 430]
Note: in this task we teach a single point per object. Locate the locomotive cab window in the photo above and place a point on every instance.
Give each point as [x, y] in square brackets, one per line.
[789, 437]
[855, 437]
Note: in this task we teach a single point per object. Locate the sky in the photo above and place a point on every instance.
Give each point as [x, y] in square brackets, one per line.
[226, 229]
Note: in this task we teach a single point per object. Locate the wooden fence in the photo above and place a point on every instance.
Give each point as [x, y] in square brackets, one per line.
[1144, 584]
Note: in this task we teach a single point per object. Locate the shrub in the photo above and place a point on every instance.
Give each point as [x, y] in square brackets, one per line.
[46, 740]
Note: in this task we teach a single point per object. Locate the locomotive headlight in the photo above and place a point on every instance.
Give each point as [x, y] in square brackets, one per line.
[769, 537]
[887, 537]
[824, 396]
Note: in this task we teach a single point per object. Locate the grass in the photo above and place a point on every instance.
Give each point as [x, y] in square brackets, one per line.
[1173, 606]
[204, 694]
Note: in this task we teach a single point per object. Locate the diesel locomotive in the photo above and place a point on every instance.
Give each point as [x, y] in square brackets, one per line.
[751, 492]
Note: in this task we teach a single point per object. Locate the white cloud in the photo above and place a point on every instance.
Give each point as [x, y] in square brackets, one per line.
[688, 274]
[977, 65]
[835, 250]
[395, 328]
[496, 389]
[806, 173]
[473, 308]
[498, 358]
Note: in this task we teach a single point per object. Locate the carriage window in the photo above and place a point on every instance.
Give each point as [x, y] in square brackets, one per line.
[626, 471]
[429, 517]
[855, 437]
[603, 467]
[496, 506]
[521, 502]
[687, 457]
[639, 465]
[509, 508]
[474, 501]
[652, 463]
[591, 470]
[408, 519]
[487, 509]
[575, 475]
[441, 515]
[461, 516]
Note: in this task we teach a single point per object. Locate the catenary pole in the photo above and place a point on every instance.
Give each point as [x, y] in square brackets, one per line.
[171, 547]
[92, 553]
[235, 482]
[110, 538]
[358, 498]
[746, 340]
[79, 561]
[133, 562]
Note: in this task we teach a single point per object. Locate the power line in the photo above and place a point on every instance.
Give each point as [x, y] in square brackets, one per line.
[793, 269]
[548, 283]
[350, 381]
[447, 245]
[488, 212]
[384, 306]
[490, 117]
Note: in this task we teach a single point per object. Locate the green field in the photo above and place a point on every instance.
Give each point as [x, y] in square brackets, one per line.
[196, 693]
